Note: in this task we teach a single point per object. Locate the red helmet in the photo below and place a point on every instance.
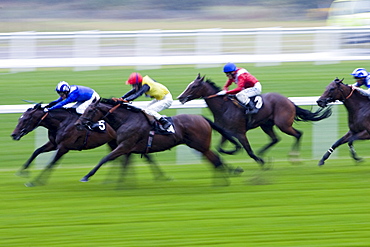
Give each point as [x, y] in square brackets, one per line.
[134, 78]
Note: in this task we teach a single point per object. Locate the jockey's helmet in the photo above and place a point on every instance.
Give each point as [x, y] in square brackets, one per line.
[360, 73]
[229, 67]
[134, 78]
[62, 87]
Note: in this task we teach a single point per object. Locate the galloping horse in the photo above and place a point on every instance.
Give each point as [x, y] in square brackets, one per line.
[357, 106]
[276, 110]
[63, 136]
[133, 132]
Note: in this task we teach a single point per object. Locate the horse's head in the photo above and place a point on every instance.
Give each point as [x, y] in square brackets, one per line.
[336, 90]
[29, 120]
[91, 115]
[193, 91]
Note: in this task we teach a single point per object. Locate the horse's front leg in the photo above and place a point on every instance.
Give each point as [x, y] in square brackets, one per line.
[47, 147]
[244, 141]
[364, 135]
[342, 140]
[44, 175]
[111, 156]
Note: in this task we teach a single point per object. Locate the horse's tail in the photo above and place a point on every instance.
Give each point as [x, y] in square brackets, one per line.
[225, 134]
[306, 115]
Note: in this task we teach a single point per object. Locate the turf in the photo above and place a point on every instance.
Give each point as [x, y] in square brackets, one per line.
[287, 205]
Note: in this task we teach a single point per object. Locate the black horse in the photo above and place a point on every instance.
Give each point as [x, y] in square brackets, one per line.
[276, 110]
[357, 106]
[134, 128]
[63, 136]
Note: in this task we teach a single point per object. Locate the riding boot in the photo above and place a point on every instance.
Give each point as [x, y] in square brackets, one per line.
[165, 123]
[251, 108]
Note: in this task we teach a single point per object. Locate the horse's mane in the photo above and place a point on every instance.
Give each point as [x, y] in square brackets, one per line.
[122, 104]
[210, 82]
[39, 106]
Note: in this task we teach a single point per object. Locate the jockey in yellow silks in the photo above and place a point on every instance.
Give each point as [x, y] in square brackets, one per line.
[162, 98]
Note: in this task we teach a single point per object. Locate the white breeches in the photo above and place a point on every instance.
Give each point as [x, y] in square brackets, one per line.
[156, 106]
[244, 95]
[81, 106]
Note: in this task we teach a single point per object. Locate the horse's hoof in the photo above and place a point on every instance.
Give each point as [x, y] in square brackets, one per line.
[30, 184]
[163, 178]
[321, 163]
[23, 174]
[359, 160]
[236, 171]
[84, 179]
[260, 161]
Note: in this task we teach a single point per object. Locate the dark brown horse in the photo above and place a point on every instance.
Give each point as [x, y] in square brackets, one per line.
[133, 133]
[276, 110]
[357, 106]
[63, 136]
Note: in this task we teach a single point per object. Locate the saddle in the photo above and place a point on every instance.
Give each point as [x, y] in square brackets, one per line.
[254, 105]
[157, 127]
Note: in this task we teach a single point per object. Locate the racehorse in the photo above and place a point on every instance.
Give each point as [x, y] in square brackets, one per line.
[276, 110]
[357, 106]
[63, 136]
[134, 133]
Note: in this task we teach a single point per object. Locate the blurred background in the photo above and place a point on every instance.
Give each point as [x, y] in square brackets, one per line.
[294, 47]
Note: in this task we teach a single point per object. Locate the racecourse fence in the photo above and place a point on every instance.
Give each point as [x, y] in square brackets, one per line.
[88, 50]
[324, 132]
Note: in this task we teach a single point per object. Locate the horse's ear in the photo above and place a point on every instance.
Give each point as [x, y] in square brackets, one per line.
[203, 78]
[198, 77]
[38, 106]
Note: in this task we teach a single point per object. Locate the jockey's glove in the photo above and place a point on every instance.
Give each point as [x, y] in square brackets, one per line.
[223, 92]
[46, 109]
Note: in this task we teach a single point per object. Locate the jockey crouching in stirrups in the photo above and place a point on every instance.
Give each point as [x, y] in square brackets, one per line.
[247, 86]
[162, 96]
[83, 96]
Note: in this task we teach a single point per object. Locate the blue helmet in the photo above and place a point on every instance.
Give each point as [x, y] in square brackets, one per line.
[229, 67]
[62, 87]
[360, 73]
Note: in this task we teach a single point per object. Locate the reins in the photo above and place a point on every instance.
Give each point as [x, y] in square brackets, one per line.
[38, 124]
[350, 94]
[211, 96]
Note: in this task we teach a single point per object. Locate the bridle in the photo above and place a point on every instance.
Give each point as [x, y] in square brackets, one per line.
[23, 130]
[342, 91]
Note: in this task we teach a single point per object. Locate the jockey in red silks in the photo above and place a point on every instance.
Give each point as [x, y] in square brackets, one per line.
[162, 98]
[247, 86]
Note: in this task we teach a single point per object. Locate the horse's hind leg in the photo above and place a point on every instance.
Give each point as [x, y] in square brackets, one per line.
[47, 147]
[221, 175]
[289, 130]
[268, 129]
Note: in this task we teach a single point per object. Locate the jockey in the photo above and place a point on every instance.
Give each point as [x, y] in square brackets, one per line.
[83, 96]
[247, 86]
[362, 77]
[162, 98]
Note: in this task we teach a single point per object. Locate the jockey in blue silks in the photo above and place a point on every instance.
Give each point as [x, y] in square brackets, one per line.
[83, 96]
[362, 78]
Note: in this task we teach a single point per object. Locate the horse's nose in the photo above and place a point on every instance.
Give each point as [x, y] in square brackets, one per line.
[15, 137]
[321, 103]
